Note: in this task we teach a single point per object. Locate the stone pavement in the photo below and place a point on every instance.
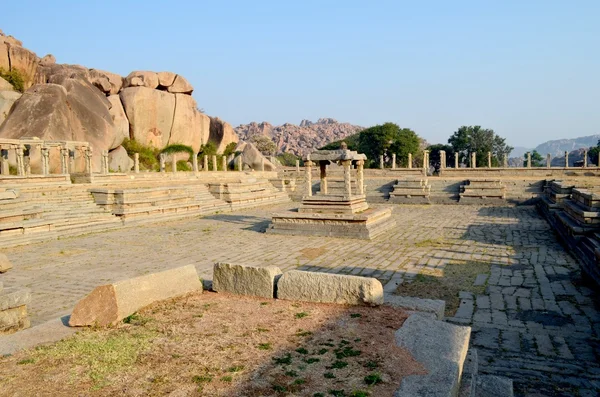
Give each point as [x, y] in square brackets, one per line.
[537, 322]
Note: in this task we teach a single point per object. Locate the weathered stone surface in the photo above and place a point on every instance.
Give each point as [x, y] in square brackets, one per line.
[441, 347]
[245, 280]
[25, 61]
[140, 78]
[11, 40]
[181, 85]
[100, 81]
[4, 59]
[48, 332]
[221, 134]
[47, 60]
[437, 307]
[115, 80]
[494, 386]
[109, 304]
[166, 79]
[190, 127]
[7, 99]
[329, 288]
[119, 161]
[5, 85]
[13, 320]
[150, 113]
[253, 158]
[5, 264]
[14, 297]
[119, 118]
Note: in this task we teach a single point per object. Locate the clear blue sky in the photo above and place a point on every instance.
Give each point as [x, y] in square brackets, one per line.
[528, 69]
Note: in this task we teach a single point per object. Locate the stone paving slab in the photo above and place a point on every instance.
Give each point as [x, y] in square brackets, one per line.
[536, 323]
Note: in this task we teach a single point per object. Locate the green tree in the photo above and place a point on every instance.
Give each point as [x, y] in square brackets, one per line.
[229, 149]
[264, 144]
[288, 159]
[351, 141]
[593, 154]
[435, 159]
[469, 139]
[15, 78]
[536, 159]
[385, 140]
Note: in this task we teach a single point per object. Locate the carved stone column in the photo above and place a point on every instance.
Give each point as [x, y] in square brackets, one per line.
[297, 165]
[105, 167]
[505, 160]
[585, 158]
[474, 160]
[425, 160]
[410, 160]
[64, 160]
[88, 160]
[456, 160]
[45, 151]
[240, 164]
[566, 159]
[360, 177]
[224, 161]
[381, 162]
[548, 160]
[528, 159]
[72, 163]
[5, 166]
[20, 160]
[162, 162]
[323, 167]
[136, 163]
[205, 163]
[27, 160]
[214, 162]
[393, 161]
[174, 162]
[489, 158]
[308, 177]
[347, 178]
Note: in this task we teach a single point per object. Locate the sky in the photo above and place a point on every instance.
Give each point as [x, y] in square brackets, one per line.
[529, 70]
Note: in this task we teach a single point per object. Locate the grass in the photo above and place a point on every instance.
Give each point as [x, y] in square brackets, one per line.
[446, 284]
[301, 315]
[431, 243]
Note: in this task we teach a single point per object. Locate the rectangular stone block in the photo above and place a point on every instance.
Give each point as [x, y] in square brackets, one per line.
[14, 319]
[245, 280]
[13, 297]
[329, 288]
[109, 304]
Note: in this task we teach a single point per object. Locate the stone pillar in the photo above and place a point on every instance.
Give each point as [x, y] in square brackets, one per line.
[20, 160]
[528, 165]
[347, 178]
[162, 162]
[425, 160]
[394, 161]
[174, 162]
[224, 162]
[45, 151]
[456, 160]
[27, 160]
[308, 177]
[442, 159]
[505, 160]
[410, 160]
[297, 165]
[381, 162]
[88, 160]
[72, 163]
[323, 167]
[136, 163]
[474, 160]
[240, 164]
[105, 162]
[585, 159]
[262, 163]
[548, 160]
[205, 163]
[489, 159]
[566, 159]
[5, 167]
[214, 162]
[360, 177]
[64, 160]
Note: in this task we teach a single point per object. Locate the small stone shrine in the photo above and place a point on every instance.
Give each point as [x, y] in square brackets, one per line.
[338, 214]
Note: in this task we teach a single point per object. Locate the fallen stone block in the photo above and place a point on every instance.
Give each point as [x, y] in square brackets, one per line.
[13, 297]
[109, 304]
[329, 288]
[437, 307]
[14, 319]
[245, 280]
[5, 264]
[441, 348]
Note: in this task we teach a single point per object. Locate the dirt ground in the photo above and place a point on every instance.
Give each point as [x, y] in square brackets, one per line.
[222, 345]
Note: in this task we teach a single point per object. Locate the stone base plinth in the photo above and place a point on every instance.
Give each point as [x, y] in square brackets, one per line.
[366, 225]
[334, 204]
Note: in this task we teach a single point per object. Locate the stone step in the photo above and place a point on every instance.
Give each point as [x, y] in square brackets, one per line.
[581, 213]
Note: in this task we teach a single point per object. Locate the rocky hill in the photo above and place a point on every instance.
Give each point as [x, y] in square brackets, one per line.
[558, 147]
[299, 139]
[75, 103]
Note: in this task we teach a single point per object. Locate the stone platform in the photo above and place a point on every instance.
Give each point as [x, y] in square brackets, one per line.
[411, 191]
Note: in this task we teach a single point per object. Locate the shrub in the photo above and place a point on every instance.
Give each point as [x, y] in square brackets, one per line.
[148, 154]
[178, 148]
[15, 78]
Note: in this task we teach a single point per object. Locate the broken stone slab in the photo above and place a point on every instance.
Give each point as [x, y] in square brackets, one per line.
[437, 307]
[14, 297]
[441, 348]
[5, 264]
[329, 288]
[245, 280]
[109, 304]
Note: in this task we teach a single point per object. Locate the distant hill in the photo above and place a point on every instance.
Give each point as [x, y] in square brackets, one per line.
[558, 147]
[299, 139]
[519, 151]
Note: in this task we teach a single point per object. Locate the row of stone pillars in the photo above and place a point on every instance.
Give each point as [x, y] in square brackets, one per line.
[23, 159]
[347, 165]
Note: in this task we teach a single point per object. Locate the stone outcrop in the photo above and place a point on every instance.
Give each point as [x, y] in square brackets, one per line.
[109, 304]
[7, 99]
[141, 79]
[221, 134]
[252, 158]
[119, 118]
[245, 280]
[119, 161]
[299, 140]
[329, 288]
[14, 56]
[190, 127]
[5, 85]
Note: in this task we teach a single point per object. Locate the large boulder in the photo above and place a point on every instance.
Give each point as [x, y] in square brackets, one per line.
[119, 119]
[7, 99]
[141, 79]
[100, 81]
[25, 61]
[47, 60]
[166, 79]
[116, 81]
[221, 134]
[181, 85]
[190, 127]
[4, 59]
[5, 85]
[252, 158]
[150, 113]
[119, 161]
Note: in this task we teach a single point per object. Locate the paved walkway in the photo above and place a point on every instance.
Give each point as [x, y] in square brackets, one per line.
[537, 323]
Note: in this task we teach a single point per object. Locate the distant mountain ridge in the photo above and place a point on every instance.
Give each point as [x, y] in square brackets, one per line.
[299, 139]
[558, 147]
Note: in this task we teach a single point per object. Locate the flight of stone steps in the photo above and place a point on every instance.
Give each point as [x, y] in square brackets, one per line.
[411, 191]
[483, 191]
[248, 193]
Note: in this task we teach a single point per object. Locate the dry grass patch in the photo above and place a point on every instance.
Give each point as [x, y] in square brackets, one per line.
[221, 345]
[445, 284]
[312, 253]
